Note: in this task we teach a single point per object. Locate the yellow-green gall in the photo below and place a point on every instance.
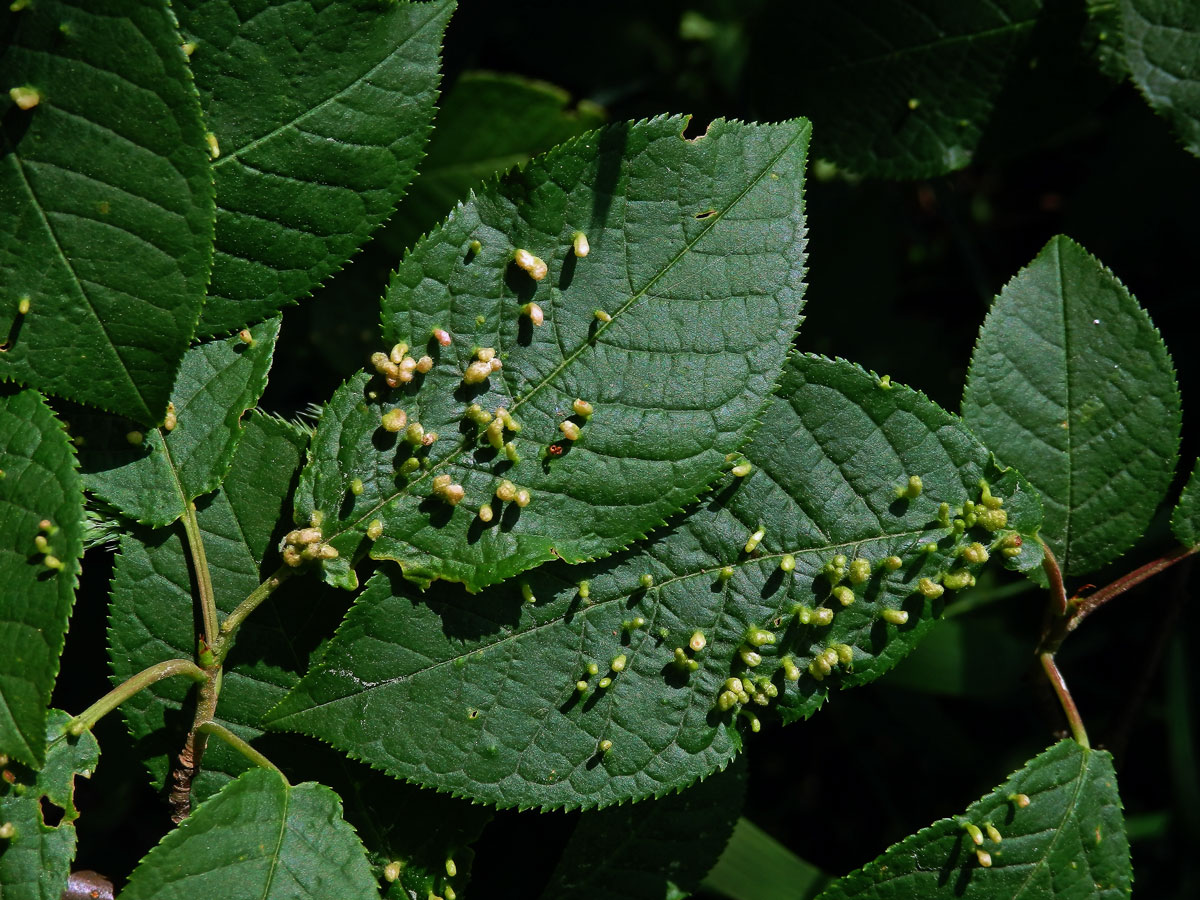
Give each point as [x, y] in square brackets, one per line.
[884, 383]
[506, 491]
[930, 588]
[409, 466]
[392, 870]
[986, 498]
[844, 653]
[23, 306]
[581, 686]
[579, 243]
[414, 434]
[510, 452]
[356, 486]
[135, 438]
[375, 529]
[171, 419]
[985, 858]
[894, 616]
[750, 657]
[495, 433]
[475, 247]
[585, 589]
[973, 831]
[991, 519]
[582, 408]
[788, 563]
[593, 668]
[822, 615]
[1021, 800]
[478, 414]
[993, 833]
[819, 668]
[741, 470]
[892, 563]
[646, 581]
[843, 595]
[424, 365]
[618, 663]
[1011, 546]
[790, 670]
[605, 745]
[569, 429]
[604, 683]
[477, 372]
[958, 580]
[602, 316]
[753, 541]
[975, 553]
[523, 498]
[725, 573]
[726, 701]
[757, 637]
[860, 570]
[911, 490]
[698, 641]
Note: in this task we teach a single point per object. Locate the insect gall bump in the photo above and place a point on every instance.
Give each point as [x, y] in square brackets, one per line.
[985, 858]
[930, 589]
[843, 595]
[755, 539]
[741, 470]
[912, 489]
[536, 316]
[579, 244]
[787, 563]
[894, 616]
[892, 563]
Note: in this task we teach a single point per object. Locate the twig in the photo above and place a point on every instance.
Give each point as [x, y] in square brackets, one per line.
[1050, 667]
[239, 745]
[134, 685]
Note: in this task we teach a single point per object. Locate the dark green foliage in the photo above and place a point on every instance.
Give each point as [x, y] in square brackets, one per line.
[1067, 842]
[651, 851]
[1072, 384]
[1161, 42]
[697, 258]
[35, 860]
[321, 113]
[151, 476]
[41, 541]
[1185, 522]
[107, 199]
[259, 837]
[500, 673]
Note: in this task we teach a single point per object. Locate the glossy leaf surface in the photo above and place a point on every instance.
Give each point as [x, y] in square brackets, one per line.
[107, 202]
[39, 565]
[151, 476]
[259, 837]
[34, 862]
[1071, 383]
[1067, 842]
[1161, 43]
[696, 259]
[1185, 521]
[651, 851]
[477, 695]
[321, 112]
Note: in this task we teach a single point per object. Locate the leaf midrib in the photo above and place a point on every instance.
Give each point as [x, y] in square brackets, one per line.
[1084, 758]
[279, 129]
[601, 604]
[590, 343]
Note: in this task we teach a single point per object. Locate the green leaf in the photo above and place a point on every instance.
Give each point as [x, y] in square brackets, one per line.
[38, 484]
[652, 850]
[755, 866]
[1185, 521]
[487, 123]
[498, 675]
[151, 619]
[151, 614]
[1161, 42]
[697, 251]
[895, 88]
[35, 861]
[321, 113]
[259, 837]
[1069, 841]
[1071, 383]
[107, 202]
[151, 476]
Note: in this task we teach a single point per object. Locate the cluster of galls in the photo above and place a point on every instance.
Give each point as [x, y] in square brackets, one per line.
[976, 835]
[47, 530]
[398, 368]
[305, 545]
[616, 666]
[738, 693]
[845, 575]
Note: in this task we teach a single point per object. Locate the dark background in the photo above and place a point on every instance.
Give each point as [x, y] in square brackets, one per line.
[900, 277]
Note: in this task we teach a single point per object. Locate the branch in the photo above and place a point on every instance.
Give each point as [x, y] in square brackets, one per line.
[230, 626]
[1085, 606]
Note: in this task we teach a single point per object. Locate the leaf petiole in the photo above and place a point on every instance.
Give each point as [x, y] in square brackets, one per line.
[224, 637]
[131, 686]
[239, 745]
